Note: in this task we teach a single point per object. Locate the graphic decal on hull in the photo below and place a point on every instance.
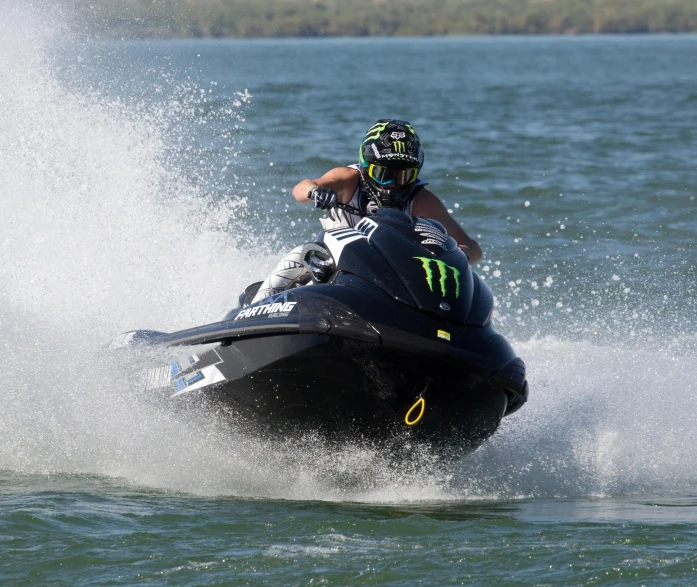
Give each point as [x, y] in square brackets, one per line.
[431, 235]
[443, 274]
[274, 310]
[185, 375]
[182, 381]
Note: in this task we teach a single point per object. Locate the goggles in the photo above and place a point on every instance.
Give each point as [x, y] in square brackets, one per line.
[388, 176]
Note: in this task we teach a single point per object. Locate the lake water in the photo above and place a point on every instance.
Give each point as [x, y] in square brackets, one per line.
[144, 184]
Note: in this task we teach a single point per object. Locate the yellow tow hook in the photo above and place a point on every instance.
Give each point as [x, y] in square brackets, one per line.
[416, 412]
[419, 405]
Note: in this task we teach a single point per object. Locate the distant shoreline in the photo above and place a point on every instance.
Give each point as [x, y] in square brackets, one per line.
[124, 37]
[250, 19]
[163, 37]
[484, 37]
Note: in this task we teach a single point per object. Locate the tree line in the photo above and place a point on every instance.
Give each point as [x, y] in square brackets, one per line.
[315, 18]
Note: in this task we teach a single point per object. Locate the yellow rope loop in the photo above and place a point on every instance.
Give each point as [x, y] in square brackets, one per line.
[421, 405]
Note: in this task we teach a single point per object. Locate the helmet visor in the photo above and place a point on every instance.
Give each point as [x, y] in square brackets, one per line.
[388, 176]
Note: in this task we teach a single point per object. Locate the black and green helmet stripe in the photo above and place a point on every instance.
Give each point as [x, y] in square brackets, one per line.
[375, 131]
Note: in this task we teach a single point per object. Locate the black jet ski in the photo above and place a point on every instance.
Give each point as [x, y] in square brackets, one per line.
[392, 337]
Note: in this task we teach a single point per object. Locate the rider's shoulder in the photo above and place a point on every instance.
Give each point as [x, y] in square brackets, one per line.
[341, 174]
[341, 179]
[425, 201]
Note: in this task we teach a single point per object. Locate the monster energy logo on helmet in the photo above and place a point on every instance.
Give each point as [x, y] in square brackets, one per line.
[442, 273]
[391, 142]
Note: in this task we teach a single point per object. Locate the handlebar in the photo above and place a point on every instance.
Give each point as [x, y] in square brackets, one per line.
[352, 210]
[346, 207]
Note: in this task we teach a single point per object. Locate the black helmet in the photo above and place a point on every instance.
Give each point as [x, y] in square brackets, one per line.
[391, 157]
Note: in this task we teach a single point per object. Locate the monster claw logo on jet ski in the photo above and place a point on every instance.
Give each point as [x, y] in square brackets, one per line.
[443, 271]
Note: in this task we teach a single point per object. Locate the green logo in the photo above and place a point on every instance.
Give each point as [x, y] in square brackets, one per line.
[375, 131]
[398, 146]
[443, 273]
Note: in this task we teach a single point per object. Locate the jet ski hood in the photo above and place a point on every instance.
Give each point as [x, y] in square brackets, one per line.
[411, 259]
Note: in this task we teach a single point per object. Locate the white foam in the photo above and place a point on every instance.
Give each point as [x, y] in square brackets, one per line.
[96, 228]
[601, 420]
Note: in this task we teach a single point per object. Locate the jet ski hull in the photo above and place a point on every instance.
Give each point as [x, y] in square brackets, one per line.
[348, 389]
[324, 369]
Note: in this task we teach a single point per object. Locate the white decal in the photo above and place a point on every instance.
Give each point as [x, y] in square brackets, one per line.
[431, 241]
[432, 234]
[275, 310]
[367, 227]
[337, 239]
[398, 135]
[422, 227]
[397, 156]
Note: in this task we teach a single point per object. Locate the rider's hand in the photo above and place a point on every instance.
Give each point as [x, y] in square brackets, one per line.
[325, 198]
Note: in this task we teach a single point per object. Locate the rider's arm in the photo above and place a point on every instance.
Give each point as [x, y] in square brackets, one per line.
[427, 204]
[343, 180]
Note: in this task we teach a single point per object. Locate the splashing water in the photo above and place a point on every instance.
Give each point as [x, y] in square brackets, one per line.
[102, 233]
[602, 420]
[97, 236]
[97, 231]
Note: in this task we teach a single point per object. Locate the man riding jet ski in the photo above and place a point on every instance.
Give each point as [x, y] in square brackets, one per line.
[388, 338]
[386, 175]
